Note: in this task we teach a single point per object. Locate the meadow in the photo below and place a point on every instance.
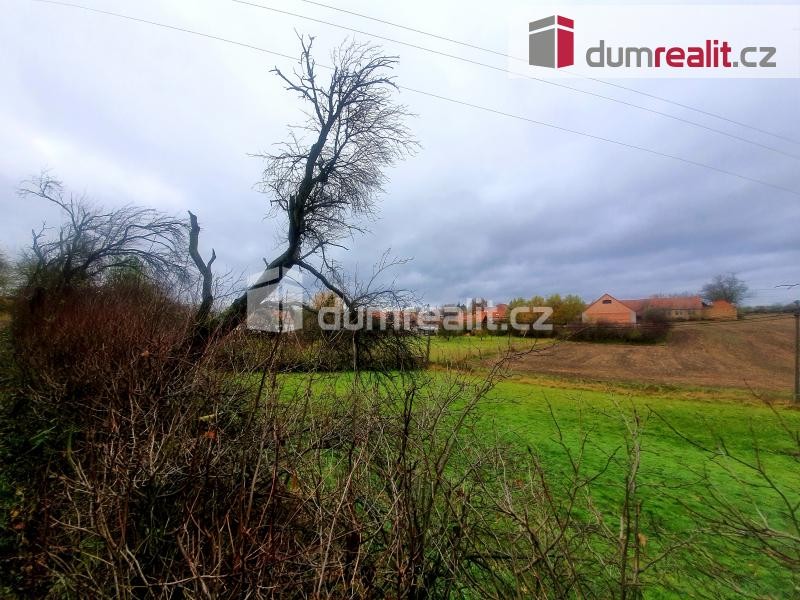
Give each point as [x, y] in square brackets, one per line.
[675, 475]
[696, 446]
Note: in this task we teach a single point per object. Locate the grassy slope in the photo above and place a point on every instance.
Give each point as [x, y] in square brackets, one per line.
[520, 410]
[523, 410]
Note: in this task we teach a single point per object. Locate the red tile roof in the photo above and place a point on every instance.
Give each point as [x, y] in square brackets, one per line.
[668, 303]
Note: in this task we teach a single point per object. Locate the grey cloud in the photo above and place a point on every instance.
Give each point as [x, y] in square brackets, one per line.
[490, 206]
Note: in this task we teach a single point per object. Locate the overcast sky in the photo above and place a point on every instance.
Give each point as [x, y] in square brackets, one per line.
[490, 206]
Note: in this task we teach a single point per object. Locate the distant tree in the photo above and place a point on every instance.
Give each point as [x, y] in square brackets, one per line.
[553, 301]
[725, 287]
[568, 310]
[525, 317]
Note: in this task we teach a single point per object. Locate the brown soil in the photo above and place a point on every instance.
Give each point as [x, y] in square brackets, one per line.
[747, 354]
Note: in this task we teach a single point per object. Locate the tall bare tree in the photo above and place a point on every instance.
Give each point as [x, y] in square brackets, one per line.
[324, 180]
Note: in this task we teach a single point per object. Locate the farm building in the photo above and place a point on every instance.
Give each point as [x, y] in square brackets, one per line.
[674, 308]
[720, 310]
[608, 309]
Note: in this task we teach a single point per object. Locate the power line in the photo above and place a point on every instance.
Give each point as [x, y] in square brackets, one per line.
[444, 98]
[695, 109]
[687, 161]
[412, 29]
[517, 58]
[522, 75]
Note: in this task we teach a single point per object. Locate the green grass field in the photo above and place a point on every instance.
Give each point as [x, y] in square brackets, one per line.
[671, 468]
[524, 412]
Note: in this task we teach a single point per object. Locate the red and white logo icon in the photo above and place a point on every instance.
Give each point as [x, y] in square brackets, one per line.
[551, 42]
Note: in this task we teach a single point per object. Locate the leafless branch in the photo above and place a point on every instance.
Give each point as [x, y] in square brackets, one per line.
[203, 267]
[93, 241]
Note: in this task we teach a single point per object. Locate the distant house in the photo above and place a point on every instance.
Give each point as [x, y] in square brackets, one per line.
[495, 313]
[608, 309]
[479, 316]
[674, 308]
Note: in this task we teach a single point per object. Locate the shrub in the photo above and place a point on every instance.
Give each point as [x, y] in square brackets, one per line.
[130, 471]
[129, 465]
[644, 333]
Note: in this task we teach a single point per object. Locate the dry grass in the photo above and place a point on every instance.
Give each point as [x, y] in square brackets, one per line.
[740, 355]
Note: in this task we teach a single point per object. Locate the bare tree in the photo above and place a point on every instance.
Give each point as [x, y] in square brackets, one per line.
[360, 296]
[93, 240]
[5, 273]
[726, 287]
[325, 179]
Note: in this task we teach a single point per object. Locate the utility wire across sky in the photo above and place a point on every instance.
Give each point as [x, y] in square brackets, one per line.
[521, 75]
[525, 60]
[435, 95]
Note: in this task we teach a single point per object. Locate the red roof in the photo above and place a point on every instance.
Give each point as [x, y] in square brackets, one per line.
[668, 303]
[495, 313]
